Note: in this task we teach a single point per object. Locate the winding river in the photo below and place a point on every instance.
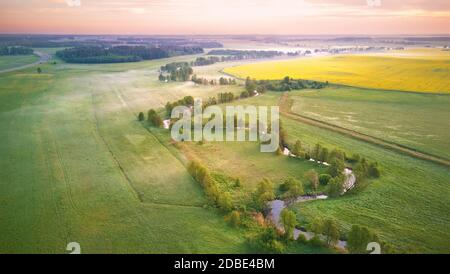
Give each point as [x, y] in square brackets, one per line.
[277, 206]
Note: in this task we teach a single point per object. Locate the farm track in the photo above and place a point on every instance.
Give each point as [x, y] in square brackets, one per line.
[122, 170]
[117, 162]
[285, 108]
[43, 58]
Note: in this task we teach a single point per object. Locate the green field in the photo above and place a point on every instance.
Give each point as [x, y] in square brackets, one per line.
[418, 121]
[9, 62]
[407, 206]
[77, 167]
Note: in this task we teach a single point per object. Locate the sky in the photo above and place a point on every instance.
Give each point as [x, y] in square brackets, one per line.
[171, 17]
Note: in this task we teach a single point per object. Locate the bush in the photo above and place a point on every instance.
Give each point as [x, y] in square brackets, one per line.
[234, 218]
[202, 175]
[324, 179]
[293, 189]
[373, 170]
[302, 239]
[154, 119]
[267, 241]
[316, 241]
[141, 117]
[335, 187]
[264, 193]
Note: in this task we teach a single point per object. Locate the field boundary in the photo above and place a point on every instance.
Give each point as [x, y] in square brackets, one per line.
[285, 108]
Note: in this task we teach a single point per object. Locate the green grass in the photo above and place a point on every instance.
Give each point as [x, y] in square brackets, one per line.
[76, 166]
[418, 121]
[407, 206]
[244, 160]
[9, 62]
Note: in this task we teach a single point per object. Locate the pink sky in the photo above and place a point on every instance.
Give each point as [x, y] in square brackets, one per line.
[226, 16]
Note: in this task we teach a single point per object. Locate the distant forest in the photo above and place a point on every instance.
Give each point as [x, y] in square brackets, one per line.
[245, 54]
[15, 51]
[121, 54]
[65, 41]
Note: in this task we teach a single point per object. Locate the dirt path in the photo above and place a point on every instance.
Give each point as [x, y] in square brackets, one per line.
[43, 58]
[285, 109]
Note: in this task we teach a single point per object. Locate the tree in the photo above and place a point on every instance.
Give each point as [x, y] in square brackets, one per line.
[39, 70]
[331, 231]
[358, 238]
[323, 155]
[293, 189]
[154, 119]
[373, 170]
[336, 154]
[297, 148]
[313, 178]
[141, 117]
[316, 226]
[234, 218]
[336, 167]
[225, 202]
[264, 193]
[324, 179]
[289, 221]
[336, 187]
[250, 86]
[316, 152]
[267, 241]
[362, 170]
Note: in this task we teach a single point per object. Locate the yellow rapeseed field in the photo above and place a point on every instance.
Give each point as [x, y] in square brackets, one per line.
[419, 70]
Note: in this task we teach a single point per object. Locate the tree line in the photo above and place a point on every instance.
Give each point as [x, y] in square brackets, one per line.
[202, 175]
[176, 72]
[4, 51]
[337, 161]
[222, 81]
[119, 54]
[287, 84]
[230, 55]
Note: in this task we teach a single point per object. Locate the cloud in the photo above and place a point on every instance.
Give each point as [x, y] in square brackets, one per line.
[230, 16]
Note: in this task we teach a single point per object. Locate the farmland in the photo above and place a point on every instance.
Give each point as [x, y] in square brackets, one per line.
[419, 187]
[425, 71]
[8, 62]
[77, 166]
[413, 120]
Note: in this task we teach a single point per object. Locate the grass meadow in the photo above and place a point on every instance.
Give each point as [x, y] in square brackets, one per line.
[8, 62]
[76, 165]
[407, 206]
[414, 120]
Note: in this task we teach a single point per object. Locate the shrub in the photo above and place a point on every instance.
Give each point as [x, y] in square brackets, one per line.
[335, 187]
[324, 179]
[141, 117]
[302, 239]
[293, 189]
[234, 218]
[264, 193]
[373, 170]
[154, 119]
[316, 241]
